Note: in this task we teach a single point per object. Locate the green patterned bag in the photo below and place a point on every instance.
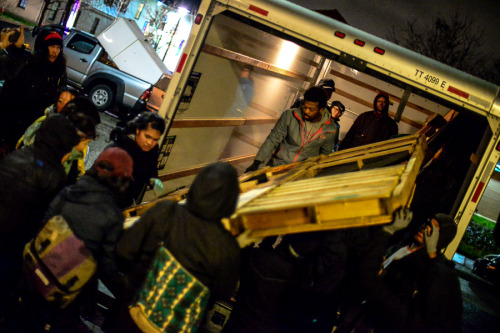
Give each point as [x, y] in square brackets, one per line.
[171, 299]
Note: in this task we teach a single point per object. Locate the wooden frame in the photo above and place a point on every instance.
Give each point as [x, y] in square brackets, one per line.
[302, 200]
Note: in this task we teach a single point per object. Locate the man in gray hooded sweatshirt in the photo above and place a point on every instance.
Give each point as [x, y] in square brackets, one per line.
[300, 133]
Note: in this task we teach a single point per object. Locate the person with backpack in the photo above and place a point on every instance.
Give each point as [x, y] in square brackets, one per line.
[29, 178]
[91, 210]
[194, 237]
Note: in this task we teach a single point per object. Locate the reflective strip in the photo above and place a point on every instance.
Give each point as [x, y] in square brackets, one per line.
[180, 66]
[258, 10]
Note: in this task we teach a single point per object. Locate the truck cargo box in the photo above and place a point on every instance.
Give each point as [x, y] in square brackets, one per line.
[125, 43]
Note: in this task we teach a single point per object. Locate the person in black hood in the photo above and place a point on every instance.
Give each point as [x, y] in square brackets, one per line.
[194, 235]
[35, 87]
[29, 179]
[371, 126]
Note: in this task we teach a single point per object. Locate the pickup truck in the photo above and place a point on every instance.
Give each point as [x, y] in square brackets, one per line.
[90, 68]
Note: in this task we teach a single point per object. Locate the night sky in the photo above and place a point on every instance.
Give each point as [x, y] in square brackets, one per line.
[377, 17]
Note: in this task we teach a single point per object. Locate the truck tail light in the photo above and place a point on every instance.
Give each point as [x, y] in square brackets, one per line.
[146, 94]
[359, 42]
[339, 34]
[198, 19]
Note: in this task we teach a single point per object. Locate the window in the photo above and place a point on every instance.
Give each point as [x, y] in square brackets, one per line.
[123, 6]
[22, 3]
[139, 11]
[95, 25]
[54, 8]
[82, 44]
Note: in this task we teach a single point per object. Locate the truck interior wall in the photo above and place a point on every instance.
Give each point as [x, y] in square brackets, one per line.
[232, 43]
[216, 93]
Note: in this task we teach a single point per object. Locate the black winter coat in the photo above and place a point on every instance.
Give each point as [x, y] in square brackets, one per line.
[192, 232]
[369, 128]
[25, 97]
[31, 177]
[11, 61]
[93, 214]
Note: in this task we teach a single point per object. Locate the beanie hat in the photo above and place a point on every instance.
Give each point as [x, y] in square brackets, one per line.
[53, 38]
[327, 84]
[119, 160]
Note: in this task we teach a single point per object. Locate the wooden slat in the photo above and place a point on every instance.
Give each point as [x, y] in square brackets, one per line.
[220, 122]
[230, 55]
[330, 225]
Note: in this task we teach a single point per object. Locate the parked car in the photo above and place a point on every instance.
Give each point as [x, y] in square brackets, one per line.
[488, 267]
[158, 93]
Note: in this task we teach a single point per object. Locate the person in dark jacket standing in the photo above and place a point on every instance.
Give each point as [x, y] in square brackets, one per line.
[35, 87]
[140, 140]
[90, 207]
[192, 232]
[371, 126]
[300, 133]
[12, 54]
[29, 179]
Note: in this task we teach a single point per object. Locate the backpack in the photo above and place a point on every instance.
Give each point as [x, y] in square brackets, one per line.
[57, 264]
[171, 299]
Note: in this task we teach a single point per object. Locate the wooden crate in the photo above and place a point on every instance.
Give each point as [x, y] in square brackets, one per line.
[318, 194]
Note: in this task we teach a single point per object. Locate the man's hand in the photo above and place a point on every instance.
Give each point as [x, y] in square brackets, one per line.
[253, 167]
[7, 34]
[4, 38]
[402, 217]
[431, 241]
[20, 40]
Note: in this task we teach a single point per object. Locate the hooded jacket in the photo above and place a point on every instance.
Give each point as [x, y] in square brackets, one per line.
[370, 127]
[288, 141]
[31, 177]
[192, 232]
[93, 214]
[25, 97]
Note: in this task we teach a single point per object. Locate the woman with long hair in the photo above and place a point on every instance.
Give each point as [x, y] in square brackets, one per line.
[38, 85]
[139, 138]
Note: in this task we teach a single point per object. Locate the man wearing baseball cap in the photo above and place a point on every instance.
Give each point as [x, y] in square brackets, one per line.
[328, 86]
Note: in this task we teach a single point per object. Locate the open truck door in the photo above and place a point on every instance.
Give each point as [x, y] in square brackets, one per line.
[215, 113]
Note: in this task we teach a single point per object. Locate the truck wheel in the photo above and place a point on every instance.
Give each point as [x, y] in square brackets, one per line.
[102, 96]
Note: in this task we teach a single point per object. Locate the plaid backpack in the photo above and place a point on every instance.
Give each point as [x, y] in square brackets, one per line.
[56, 263]
[171, 299]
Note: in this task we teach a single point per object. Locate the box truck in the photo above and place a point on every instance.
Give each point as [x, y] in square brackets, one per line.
[289, 49]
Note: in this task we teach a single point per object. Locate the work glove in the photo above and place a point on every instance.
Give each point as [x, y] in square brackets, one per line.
[156, 185]
[402, 217]
[253, 167]
[431, 240]
[245, 240]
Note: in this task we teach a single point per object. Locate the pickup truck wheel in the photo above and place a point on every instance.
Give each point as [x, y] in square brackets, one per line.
[102, 96]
